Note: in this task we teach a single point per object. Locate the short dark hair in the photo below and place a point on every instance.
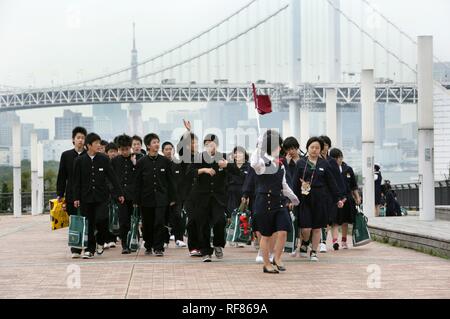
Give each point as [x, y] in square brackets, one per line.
[165, 144]
[149, 138]
[211, 138]
[271, 140]
[313, 140]
[92, 137]
[336, 153]
[111, 146]
[78, 130]
[290, 142]
[242, 150]
[123, 141]
[104, 143]
[136, 138]
[326, 140]
[184, 141]
[377, 168]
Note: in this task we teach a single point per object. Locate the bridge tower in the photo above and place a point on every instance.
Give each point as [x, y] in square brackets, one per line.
[135, 126]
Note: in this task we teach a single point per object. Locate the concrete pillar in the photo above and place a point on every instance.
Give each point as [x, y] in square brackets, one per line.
[17, 171]
[40, 175]
[34, 174]
[296, 36]
[334, 36]
[304, 127]
[426, 127]
[331, 115]
[294, 118]
[368, 140]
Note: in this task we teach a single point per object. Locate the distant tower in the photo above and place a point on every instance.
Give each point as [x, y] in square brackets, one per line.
[135, 126]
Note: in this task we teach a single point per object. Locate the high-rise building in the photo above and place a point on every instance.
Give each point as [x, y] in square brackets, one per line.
[110, 120]
[349, 127]
[65, 124]
[26, 131]
[6, 124]
[42, 134]
[135, 125]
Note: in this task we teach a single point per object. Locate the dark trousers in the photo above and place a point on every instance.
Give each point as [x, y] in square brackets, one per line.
[191, 227]
[211, 215]
[92, 211]
[176, 221]
[125, 213]
[153, 224]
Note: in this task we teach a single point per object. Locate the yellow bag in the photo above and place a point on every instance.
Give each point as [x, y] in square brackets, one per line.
[58, 216]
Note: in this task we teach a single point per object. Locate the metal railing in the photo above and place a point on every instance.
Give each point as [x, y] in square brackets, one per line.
[7, 202]
[408, 194]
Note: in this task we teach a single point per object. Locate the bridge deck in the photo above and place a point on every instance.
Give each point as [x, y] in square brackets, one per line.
[34, 261]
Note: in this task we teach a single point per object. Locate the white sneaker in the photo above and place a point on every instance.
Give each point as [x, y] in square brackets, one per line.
[294, 253]
[112, 245]
[180, 244]
[100, 249]
[259, 259]
[323, 248]
[88, 255]
[76, 256]
[313, 257]
[106, 246]
[172, 238]
[344, 245]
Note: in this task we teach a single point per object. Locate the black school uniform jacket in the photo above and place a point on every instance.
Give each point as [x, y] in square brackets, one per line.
[154, 185]
[91, 177]
[64, 182]
[323, 178]
[125, 171]
[207, 186]
[184, 178]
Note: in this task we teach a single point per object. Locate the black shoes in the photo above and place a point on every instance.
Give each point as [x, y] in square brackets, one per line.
[159, 253]
[336, 246]
[126, 251]
[272, 271]
[280, 268]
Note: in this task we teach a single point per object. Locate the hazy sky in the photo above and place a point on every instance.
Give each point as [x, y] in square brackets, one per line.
[65, 40]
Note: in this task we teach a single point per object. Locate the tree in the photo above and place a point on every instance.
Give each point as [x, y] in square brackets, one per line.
[4, 199]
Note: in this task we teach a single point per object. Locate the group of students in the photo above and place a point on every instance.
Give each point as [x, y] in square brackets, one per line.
[277, 182]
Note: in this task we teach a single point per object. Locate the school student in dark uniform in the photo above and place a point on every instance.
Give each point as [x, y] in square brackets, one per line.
[124, 167]
[347, 214]
[209, 197]
[335, 161]
[174, 213]
[313, 181]
[378, 182]
[111, 150]
[187, 150]
[64, 182]
[237, 177]
[236, 180]
[136, 147]
[92, 172]
[155, 191]
[270, 203]
[331, 211]
[291, 148]
[393, 207]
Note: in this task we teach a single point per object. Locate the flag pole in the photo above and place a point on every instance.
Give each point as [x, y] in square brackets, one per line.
[256, 108]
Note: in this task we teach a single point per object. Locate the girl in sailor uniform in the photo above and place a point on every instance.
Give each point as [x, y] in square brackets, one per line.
[313, 181]
[270, 205]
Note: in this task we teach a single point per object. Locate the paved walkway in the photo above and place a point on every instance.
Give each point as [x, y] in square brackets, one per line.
[35, 263]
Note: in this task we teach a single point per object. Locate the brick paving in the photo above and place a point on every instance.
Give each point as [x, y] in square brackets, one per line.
[35, 263]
